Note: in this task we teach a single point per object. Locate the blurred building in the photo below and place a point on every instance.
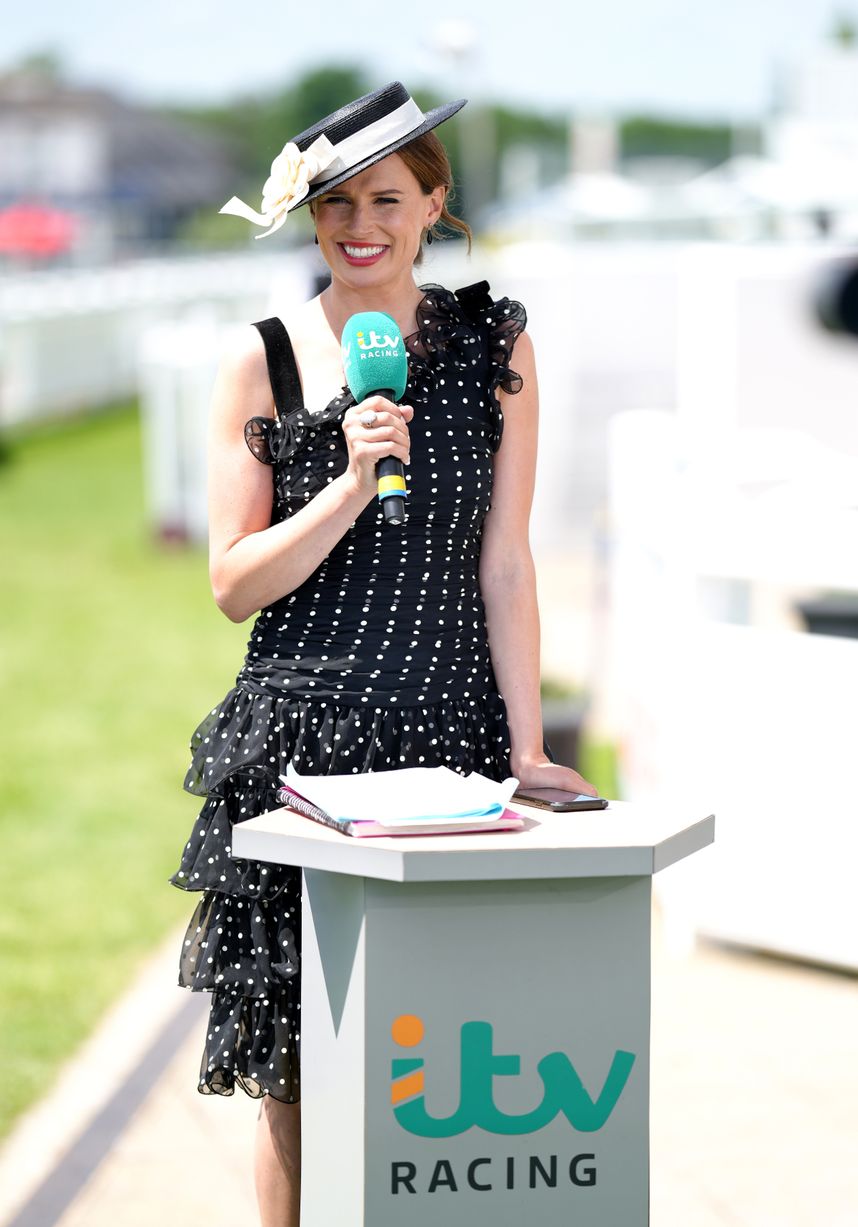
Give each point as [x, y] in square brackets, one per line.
[128, 176]
[801, 185]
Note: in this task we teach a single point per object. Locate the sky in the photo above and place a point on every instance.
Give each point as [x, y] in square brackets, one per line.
[706, 59]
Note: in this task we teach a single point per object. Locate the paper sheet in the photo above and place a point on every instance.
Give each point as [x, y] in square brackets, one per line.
[424, 793]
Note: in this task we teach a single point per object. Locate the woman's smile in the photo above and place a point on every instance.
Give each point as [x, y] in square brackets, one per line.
[362, 253]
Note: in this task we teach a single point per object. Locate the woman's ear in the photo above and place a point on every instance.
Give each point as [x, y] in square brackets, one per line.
[436, 205]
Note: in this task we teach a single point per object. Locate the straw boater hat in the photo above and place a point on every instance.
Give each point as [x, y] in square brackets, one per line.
[337, 147]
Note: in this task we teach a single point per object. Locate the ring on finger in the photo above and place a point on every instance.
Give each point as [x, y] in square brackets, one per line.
[369, 419]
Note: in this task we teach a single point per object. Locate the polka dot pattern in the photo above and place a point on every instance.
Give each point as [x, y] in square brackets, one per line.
[379, 660]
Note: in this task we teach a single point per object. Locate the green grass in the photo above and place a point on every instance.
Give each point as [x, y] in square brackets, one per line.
[111, 650]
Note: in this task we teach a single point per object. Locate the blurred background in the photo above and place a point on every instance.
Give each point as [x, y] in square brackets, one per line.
[671, 189]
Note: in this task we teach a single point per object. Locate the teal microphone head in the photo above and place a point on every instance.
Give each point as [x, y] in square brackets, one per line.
[374, 357]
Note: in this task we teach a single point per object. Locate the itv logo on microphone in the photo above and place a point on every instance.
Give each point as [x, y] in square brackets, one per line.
[372, 343]
[563, 1092]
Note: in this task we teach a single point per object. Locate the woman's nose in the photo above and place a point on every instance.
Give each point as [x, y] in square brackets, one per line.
[360, 221]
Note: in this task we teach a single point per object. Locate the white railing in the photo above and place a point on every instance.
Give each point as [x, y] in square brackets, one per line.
[69, 339]
[177, 364]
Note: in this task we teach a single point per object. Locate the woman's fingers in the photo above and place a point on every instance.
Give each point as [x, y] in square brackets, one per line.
[582, 785]
[387, 436]
[394, 434]
[554, 775]
[383, 428]
[385, 413]
[399, 415]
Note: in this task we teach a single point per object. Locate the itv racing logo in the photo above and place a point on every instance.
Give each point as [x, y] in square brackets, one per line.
[375, 342]
[373, 345]
[563, 1090]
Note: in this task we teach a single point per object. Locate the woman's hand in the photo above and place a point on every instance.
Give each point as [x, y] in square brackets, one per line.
[542, 773]
[369, 444]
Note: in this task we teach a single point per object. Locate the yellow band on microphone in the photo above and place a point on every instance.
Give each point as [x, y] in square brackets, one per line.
[392, 484]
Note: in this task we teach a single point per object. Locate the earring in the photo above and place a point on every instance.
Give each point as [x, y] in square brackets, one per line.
[428, 236]
[316, 239]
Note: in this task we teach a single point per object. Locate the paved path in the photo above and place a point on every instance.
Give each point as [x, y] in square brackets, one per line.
[754, 1092]
[754, 1117]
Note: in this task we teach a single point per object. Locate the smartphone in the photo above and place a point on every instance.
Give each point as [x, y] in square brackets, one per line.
[558, 800]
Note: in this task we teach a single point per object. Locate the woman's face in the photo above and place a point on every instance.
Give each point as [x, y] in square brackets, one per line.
[369, 228]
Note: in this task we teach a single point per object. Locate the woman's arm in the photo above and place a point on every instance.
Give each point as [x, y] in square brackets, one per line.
[508, 585]
[251, 561]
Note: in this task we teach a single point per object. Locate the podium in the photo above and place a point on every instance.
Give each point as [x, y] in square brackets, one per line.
[475, 1035]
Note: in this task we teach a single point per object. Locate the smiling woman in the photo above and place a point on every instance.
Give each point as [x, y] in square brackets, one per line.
[374, 647]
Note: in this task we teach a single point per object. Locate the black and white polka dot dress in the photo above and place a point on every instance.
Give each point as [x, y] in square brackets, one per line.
[379, 660]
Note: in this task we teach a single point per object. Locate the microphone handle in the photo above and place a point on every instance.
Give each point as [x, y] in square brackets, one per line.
[390, 475]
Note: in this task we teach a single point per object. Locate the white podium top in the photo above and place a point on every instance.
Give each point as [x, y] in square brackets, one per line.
[622, 840]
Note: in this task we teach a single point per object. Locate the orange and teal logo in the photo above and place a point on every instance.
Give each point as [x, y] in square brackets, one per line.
[375, 342]
[563, 1090]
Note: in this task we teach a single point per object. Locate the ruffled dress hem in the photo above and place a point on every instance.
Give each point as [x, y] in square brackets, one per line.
[243, 941]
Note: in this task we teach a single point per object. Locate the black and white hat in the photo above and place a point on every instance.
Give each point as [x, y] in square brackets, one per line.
[338, 147]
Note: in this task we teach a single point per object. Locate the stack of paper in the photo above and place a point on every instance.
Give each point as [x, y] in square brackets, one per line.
[411, 801]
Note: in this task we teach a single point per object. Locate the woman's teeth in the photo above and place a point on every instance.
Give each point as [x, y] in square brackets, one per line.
[358, 252]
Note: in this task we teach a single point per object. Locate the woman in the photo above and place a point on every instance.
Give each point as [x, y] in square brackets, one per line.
[375, 647]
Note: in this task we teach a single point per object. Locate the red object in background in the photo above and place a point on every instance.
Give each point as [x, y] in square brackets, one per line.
[36, 230]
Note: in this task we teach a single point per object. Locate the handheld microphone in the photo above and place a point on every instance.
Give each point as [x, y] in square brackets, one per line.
[375, 363]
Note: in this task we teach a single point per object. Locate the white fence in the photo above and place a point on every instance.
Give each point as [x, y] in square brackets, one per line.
[70, 340]
[176, 367]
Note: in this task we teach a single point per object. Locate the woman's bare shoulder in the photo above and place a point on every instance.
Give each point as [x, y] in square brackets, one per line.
[242, 349]
[242, 379]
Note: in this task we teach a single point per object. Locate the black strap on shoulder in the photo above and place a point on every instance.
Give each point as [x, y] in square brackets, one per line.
[282, 367]
[474, 300]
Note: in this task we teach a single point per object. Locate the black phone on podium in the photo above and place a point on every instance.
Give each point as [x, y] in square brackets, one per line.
[558, 800]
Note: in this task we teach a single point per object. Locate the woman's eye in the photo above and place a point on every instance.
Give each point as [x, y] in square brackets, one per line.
[345, 200]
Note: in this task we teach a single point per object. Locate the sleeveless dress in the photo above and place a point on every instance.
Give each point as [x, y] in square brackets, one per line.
[379, 660]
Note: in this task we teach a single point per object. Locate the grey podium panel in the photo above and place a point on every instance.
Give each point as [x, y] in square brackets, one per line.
[508, 1020]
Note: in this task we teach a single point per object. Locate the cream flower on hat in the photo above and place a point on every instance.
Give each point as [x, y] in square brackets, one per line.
[292, 172]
